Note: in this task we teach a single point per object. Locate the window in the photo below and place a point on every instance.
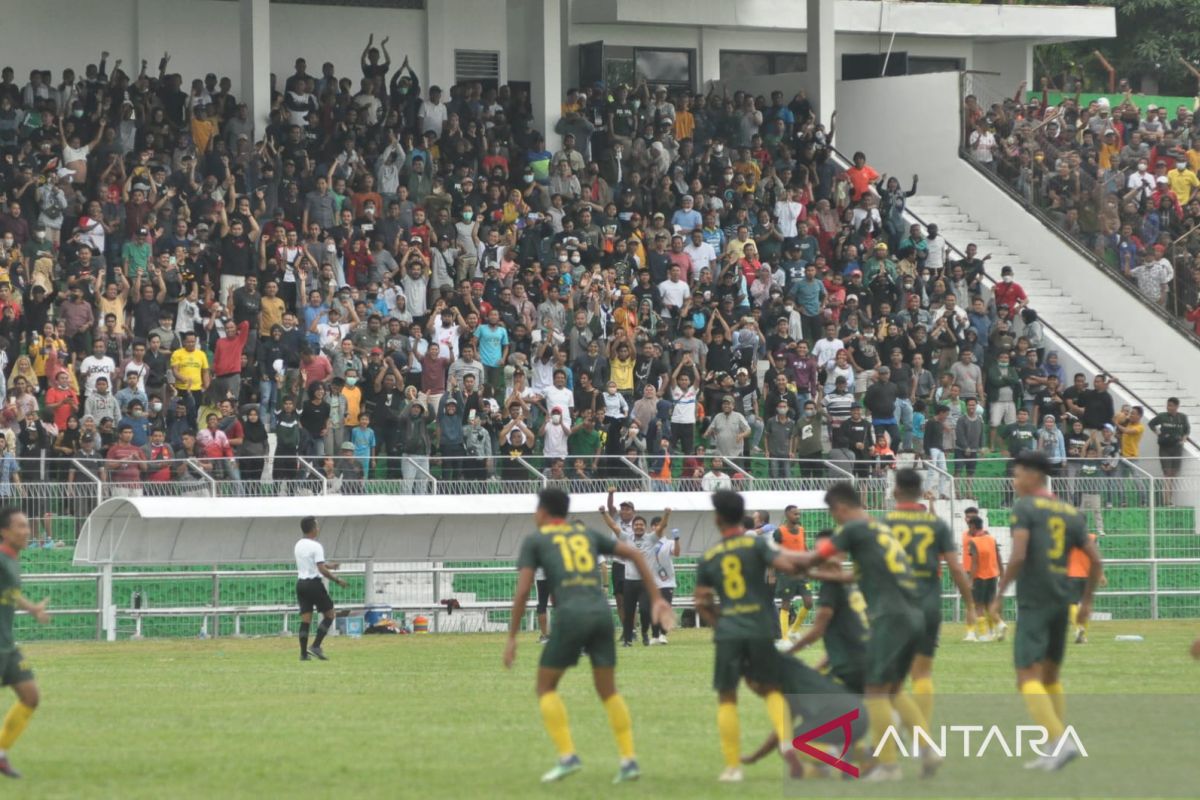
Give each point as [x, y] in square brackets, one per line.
[920, 65]
[663, 66]
[747, 64]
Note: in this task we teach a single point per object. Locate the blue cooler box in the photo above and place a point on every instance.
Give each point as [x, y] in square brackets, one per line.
[376, 613]
[350, 625]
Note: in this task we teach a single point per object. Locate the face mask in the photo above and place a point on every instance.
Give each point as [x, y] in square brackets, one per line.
[78, 112]
[351, 381]
[719, 149]
[636, 104]
[575, 259]
[789, 308]
[156, 407]
[556, 418]
[8, 243]
[782, 411]
[1008, 279]
[728, 176]
[529, 179]
[40, 235]
[1141, 167]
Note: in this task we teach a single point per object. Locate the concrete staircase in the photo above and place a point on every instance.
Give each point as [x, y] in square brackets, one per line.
[1147, 376]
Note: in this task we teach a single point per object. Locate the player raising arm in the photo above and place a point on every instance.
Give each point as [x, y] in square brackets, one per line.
[14, 669]
[1044, 529]
[569, 553]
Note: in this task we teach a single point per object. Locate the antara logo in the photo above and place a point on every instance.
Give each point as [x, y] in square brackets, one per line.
[1031, 737]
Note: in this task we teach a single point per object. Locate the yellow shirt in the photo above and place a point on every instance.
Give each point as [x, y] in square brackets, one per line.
[115, 307]
[270, 313]
[190, 366]
[1107, 154]
[1131, 439]
[1193, 159]
[40, 348]
[685, 125]
[738, 247]
[203, 131]
[353, 396]
[621, 373]
[1183, 183]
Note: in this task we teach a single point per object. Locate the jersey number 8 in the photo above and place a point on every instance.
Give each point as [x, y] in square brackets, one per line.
[576, 553]
[731, 573]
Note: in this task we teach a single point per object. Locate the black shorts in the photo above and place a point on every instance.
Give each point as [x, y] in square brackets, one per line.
[983, 590]
[891, 645]
[753, 659]
[1075, 588]
[1041, 635]
[618, 578]
[14, 668]
[311, 593]
[543, 595]
[788, 587]
[573, 633]
[931, 612]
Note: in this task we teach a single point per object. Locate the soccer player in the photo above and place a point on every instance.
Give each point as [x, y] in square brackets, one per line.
[927, 540]
[569, 553]
[887, 582]
[790, 537]
[986, 565]
[814, 699]
[1078, 568]
[311, 566]
[14, 669]
[1044, 529]
[744, 628]
[840, 624]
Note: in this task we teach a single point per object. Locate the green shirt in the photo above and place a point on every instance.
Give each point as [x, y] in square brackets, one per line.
[885, 575]
[584, 442]
[10, 591]
[736, 570]
[1019, 437]
[1054, 528]
[924, 537]
[568, 553]
[846, 635]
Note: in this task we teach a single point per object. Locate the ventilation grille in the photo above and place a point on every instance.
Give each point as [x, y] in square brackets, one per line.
[476, 65]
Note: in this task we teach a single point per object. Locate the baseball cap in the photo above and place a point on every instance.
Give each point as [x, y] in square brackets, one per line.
[350, 445]
[376, 351]
[1108, 426]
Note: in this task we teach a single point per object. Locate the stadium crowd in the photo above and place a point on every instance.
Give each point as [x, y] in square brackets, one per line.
[1120, 180]
[391, 273]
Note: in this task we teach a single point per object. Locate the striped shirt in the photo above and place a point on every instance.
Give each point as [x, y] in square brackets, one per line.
[838, 406]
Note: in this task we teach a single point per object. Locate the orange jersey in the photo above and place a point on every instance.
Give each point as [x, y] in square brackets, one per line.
[989, 557]
[792, 540]
[1078, 563]
[966, 551]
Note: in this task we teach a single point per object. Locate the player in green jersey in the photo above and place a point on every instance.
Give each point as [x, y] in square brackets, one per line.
[886, 579]
[841, 625]
[927, 540]
[1044, 530]
[14, 670]
[743, 626]
[568, 553]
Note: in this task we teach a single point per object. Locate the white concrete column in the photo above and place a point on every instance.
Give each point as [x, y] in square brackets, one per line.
[255, 27]
[710, 58]
[439, 67]
[546, 47]
[821, 53]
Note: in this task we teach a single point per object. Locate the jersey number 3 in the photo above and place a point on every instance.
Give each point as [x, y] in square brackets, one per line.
[576, 553]
[1058, 537]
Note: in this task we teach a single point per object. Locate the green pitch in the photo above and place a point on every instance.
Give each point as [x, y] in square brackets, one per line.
[438, 717]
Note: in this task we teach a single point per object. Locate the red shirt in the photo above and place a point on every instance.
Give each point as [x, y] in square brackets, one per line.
[129, 471]
[227, 355]
[319, 370]
[1009, 294]
[57, 395]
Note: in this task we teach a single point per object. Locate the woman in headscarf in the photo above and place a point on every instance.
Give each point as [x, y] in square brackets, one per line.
[252, 453]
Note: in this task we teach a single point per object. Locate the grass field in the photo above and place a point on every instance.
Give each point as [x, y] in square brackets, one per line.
[438, 717]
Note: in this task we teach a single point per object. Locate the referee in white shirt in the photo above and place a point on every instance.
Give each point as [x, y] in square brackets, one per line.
[310, 589]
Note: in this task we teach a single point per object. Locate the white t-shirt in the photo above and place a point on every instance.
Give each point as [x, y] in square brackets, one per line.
[559, 398]
[702, 256]
[93, 368]
[826, 350]
[674, 294]
[309, 553]
[982, 146]
[433, 117]
[788, 212]
[684, 410]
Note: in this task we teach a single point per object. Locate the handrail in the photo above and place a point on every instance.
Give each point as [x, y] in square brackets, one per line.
[99, 483]
[641, 472]
[539, 475]
[429, 475]
[212, 482]
[316, 473]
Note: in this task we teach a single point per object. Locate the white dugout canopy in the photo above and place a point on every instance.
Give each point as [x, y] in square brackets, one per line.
[149, 531]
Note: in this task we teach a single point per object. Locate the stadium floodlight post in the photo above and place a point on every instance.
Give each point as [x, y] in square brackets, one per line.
[316, 473]
[647, 481]
[1153, 530]
[203, 473]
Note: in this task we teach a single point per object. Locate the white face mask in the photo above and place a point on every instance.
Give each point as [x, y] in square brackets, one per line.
[40, 235]
[1008, 279]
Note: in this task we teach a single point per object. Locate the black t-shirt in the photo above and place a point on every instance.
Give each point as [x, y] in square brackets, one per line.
[1046, 402]
[237, 255]
[145, 317]
[246, 305]
[646, 371]
[1097, 408]
[313, 418]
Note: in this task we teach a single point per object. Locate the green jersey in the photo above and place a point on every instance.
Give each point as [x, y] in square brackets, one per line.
[885, 575]
[10, 591]
[568, 553]
[925, 538]
[846, 635]
[736, 570]
[1055, 528]
[1019, 438]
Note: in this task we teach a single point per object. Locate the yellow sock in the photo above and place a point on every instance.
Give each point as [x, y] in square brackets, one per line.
[554, 717]
[731, 735]
[14, 724]
[1073, 612]
[1041, 708]
[982, 625]
[910, 713]
[801, 615]
[880, 711]
[922, 692]
[1058, 700]
[621, 724]
[781, 717]
[783, 622]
